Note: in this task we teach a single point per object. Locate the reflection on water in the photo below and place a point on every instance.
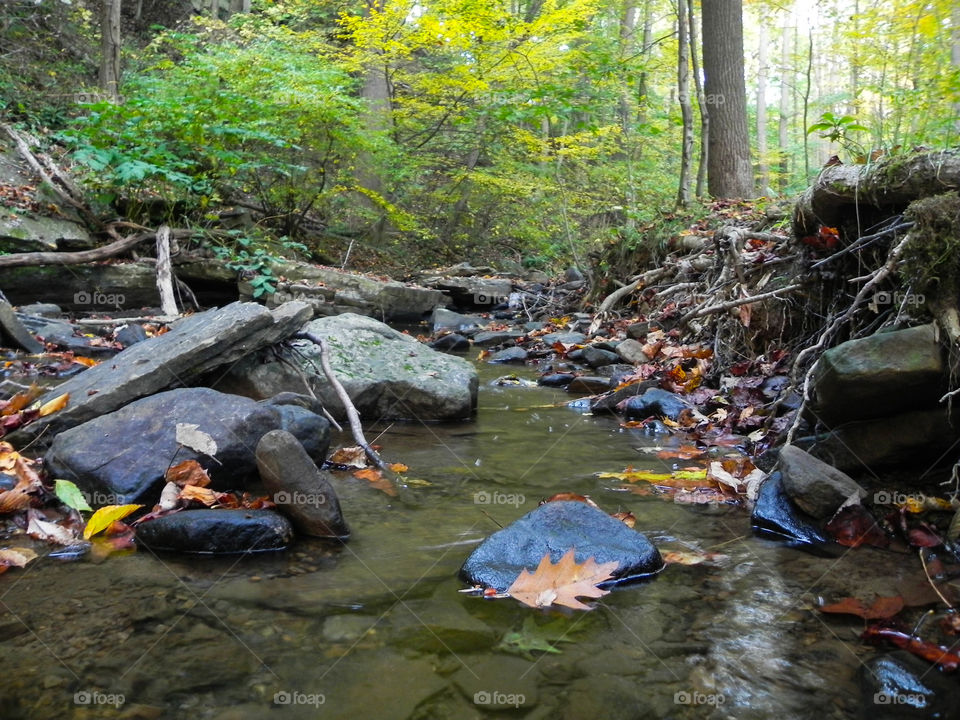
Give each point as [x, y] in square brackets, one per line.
[377, 628]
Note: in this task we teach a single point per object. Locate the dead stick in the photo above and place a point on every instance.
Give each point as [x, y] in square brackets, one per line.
[352, 416]
[720, 307]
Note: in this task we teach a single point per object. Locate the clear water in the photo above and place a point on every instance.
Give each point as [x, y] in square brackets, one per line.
[377, 629]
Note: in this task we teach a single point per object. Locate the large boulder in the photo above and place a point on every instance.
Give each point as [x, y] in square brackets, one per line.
[121, 457]
[192, 347]
[217, 532]
[817, 488]
[554, 528]
[877, 376]
[386, 374]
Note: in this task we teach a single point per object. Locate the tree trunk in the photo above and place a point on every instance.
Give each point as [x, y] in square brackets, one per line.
[110, 49]
[955, 55]
[787, 81]
[763, 169]
[701, 103]
[729, 173]
[686, 106]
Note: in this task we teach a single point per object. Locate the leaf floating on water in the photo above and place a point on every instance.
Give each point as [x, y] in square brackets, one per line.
[563, 583]
[570, 497]
[685, 478]
[52, 406]
[376, 478]
[398, 467]
[70, 495]
[105, 516]
[350, 456]
[15, 557]
[948, 661]
[883, 608]
[686, 557]
[626, 517]
[855, 526]
[191, 436]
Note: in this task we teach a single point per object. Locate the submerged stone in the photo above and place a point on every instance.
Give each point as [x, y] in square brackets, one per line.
[217, 532]
[554, 528]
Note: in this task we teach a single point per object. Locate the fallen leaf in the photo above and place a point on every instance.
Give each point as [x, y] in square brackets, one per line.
[398, 467]
[19, 401]
[948, 661]
[686, 477]
[105, 516]
[687, 557]
[569, 497]
[52, 406]
[70, 495]
[375, 478]
[15, 557]
[45, 530]
[350, 456]
[188, 472]
[883, 608]
[855, 526]
[200, 494]
[626, 517]
[563, 583]
[191, 436]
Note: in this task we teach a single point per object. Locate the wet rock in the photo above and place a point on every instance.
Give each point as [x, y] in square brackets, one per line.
[217, 532]
[815, 487]
[921, 436]
[654, 401]
[388, 375]
[41, 309]
[20, 233]
[347, 628]
[555, 528]
[588, 384]
[444, 319]
[193, 346]
[93, 287]
[487, 338]
[775, 516]
[131, 334]
[567, 338]
[556, 379]
[142, 442]
[615, 370]
[609, 696]
[473, 292]
[451, 342]
[876, 376]
[533, 325]
[300, 490]
[67, 337]
[495, 683]
[638, 330]
[632, 352]
[596, 357]
[509, 355]
[438, 627]
[610, 401]
[13, 331]
[899, 686]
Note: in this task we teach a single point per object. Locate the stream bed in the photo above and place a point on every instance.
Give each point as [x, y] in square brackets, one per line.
[377, 629]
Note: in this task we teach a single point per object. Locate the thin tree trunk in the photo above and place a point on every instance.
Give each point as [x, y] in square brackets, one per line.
[806, 107]
[787, 81]
[110, 49]
[955, 55]
[701, 103]
[168, 303]
[763, 170]
[686, 106]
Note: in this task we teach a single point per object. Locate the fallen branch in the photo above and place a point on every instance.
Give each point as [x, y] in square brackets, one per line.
[352, 416]
[31, 259]
[729, 304]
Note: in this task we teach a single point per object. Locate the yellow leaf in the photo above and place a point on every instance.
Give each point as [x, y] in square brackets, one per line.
[398, 467]
[105, 516]
[58, 403]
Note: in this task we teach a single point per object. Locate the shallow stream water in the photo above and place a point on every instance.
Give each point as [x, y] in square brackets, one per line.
[377, 629]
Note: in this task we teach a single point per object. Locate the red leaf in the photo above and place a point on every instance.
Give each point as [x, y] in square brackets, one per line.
[855, 526]
[883, 608]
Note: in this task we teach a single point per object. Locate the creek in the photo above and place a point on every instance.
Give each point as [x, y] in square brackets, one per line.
[377, 629]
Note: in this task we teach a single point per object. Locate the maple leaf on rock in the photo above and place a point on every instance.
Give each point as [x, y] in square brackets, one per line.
[563, 583]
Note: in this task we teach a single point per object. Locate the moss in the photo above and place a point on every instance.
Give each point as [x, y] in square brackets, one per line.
[933, 252]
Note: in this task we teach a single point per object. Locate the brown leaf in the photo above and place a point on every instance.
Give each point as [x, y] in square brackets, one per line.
[569, 497]
[883, 608]
[188, 472]
[350, 456]
[626, 517]
[563, 583]
[375, 477]
[201, 494]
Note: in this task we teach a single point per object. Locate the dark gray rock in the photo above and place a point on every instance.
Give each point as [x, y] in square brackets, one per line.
[451, 342]
[438, 627]
[877, 376]
[588, 384]
[923, 436]
[567, 338]
[901, 686]
[556, 527]
[216, 532]
[131, 334]
[654, 401]
[387, 375]
[192, 347]
[814, 486]
[610, 401]
[498, 683]
[637, 331]
[775, 516]
[487, 338]
[556, 379]
[21, 233]
[509, 355]
[596, 357]
[300, 490]
[41, 309]
[141, 438]
[13, 331]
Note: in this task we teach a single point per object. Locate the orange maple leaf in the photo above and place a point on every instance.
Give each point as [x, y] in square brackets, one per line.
[563, 583]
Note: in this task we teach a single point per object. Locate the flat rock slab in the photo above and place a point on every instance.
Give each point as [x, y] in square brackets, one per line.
[217, 532]
[817, 488]
[193, 346]
[388, 375]
[122, 456]
[554, 528]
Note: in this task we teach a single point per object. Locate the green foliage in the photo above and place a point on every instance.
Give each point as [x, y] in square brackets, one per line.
[838, 129]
